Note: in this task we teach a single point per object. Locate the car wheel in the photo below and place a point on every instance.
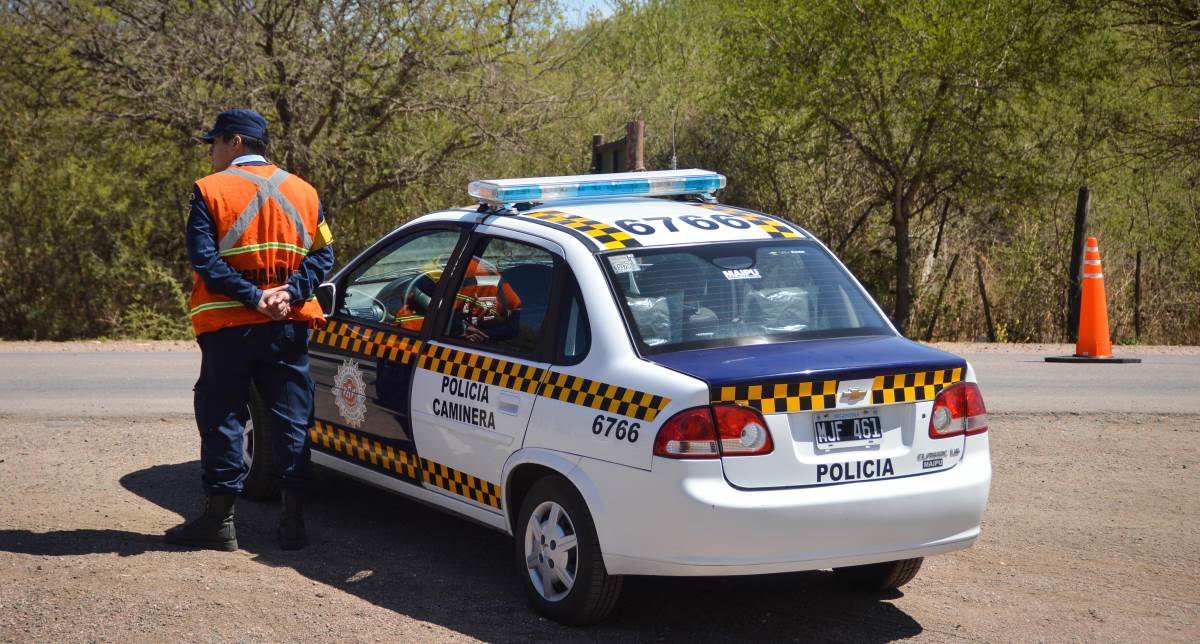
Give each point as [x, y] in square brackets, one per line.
[558, 556]
[260, 483]
[879, 577]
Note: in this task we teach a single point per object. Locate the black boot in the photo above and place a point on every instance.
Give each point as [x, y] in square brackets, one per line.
[212, 530]
[291, 533]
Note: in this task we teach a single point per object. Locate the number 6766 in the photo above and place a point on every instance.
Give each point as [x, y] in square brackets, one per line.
[619, 429]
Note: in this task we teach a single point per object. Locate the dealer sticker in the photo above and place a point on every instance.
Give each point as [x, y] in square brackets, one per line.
[742, 274]
[623, 264]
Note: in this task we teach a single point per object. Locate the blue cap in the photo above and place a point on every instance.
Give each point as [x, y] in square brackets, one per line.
[245, 122]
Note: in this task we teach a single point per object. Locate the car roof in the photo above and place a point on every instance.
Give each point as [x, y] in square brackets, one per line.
[632, 222]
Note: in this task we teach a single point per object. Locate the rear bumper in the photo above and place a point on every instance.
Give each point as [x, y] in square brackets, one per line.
[684, 519]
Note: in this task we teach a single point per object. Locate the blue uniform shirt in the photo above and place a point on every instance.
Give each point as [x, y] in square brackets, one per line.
[221, 278]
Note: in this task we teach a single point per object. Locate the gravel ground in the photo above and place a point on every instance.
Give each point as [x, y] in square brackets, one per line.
[1091, 534]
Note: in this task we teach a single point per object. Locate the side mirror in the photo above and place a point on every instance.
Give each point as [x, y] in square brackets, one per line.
[327, 297]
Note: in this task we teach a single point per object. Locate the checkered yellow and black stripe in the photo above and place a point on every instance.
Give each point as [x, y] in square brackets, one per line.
[460, 483]
[780, 398]
[773, 227]
[328, 437]
[910, 387]
[480, 368]
[605, 397]
[345, 441]
[606, 236]
[366, 342]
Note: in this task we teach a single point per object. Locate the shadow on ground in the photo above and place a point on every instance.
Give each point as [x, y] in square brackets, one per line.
[419, 562]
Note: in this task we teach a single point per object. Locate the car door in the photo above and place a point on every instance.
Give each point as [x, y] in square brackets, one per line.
[476, 381]
[363, 358]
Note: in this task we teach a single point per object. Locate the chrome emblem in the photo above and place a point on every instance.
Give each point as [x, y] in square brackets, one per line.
[853, 395]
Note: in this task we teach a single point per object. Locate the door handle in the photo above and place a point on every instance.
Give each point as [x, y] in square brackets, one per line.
[510, 404]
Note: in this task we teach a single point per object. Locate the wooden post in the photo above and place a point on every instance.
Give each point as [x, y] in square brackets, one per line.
[987, 307]
[623, 155]
[597, 145]
[1075, 274]
[635, 135]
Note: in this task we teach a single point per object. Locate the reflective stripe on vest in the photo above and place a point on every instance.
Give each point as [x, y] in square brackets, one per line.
[267, 189]
[213, 305]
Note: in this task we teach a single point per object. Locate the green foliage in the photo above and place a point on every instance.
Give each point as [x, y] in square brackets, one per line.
[910, 136]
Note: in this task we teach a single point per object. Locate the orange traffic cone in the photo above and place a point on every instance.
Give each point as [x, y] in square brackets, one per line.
[1093, 311]
[1094, 344]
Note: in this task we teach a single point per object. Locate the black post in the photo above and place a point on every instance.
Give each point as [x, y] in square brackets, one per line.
[1075, 273]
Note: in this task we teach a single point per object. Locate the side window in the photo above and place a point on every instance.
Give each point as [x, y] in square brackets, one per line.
[575, 336]
[395, 286]
[502, 299]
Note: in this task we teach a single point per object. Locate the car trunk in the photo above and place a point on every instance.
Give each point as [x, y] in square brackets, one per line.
[839, 410]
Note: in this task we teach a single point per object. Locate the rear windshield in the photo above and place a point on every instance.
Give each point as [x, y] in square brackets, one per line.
[738, 293]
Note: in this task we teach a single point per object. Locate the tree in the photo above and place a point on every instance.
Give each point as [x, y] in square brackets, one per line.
[1168, 32]
[105, 100]
[926, 93]
[363, 96]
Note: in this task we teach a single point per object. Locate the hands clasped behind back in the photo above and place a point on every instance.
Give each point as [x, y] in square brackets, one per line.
[275, 303]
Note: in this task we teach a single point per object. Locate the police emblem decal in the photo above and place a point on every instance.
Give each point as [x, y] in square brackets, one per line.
[350, 393]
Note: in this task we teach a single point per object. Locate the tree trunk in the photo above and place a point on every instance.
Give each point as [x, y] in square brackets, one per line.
[983, 297]
[900, 207]
[937, 307]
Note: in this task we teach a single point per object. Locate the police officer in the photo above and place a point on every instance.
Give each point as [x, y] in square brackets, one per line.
[259, 246]
[486, 308]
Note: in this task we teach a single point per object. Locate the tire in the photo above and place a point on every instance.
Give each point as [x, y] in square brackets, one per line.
[260, 483]
[592, 593]
[880, 577]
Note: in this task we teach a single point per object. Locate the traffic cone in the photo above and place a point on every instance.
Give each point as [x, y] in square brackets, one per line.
[1094, 344]
[1093, 311]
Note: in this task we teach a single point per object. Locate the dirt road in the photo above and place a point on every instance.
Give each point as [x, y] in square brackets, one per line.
[1092, 533]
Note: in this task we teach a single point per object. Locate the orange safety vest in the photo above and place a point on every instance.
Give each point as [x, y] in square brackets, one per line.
[266, 223]
[408, 318]
[485, 298]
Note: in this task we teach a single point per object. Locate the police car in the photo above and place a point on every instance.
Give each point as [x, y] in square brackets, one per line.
[633, 379]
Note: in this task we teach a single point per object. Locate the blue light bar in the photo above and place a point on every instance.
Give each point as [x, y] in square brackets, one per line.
[590, 186]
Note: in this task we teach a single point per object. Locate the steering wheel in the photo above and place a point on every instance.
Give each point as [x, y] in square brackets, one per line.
[395, 295]
[413, 286]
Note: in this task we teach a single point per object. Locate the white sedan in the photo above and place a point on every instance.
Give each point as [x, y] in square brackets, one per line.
[633, 379]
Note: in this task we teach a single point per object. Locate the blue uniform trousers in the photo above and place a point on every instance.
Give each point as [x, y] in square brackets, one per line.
[274, 357]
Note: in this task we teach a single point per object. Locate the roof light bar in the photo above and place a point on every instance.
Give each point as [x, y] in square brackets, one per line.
[624, 184]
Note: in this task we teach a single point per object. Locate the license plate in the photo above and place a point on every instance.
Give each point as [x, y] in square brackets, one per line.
[848, 429]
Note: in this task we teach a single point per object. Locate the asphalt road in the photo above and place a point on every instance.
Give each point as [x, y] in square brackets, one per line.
[159, 384]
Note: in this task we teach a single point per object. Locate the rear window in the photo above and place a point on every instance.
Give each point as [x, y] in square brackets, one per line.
[744, 293]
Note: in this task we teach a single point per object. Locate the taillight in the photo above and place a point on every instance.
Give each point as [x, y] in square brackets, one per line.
[692, 433]
[688, 434]
[743, 431]
[958, 410]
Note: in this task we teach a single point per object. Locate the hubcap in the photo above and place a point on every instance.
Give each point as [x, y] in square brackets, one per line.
[551, 551]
